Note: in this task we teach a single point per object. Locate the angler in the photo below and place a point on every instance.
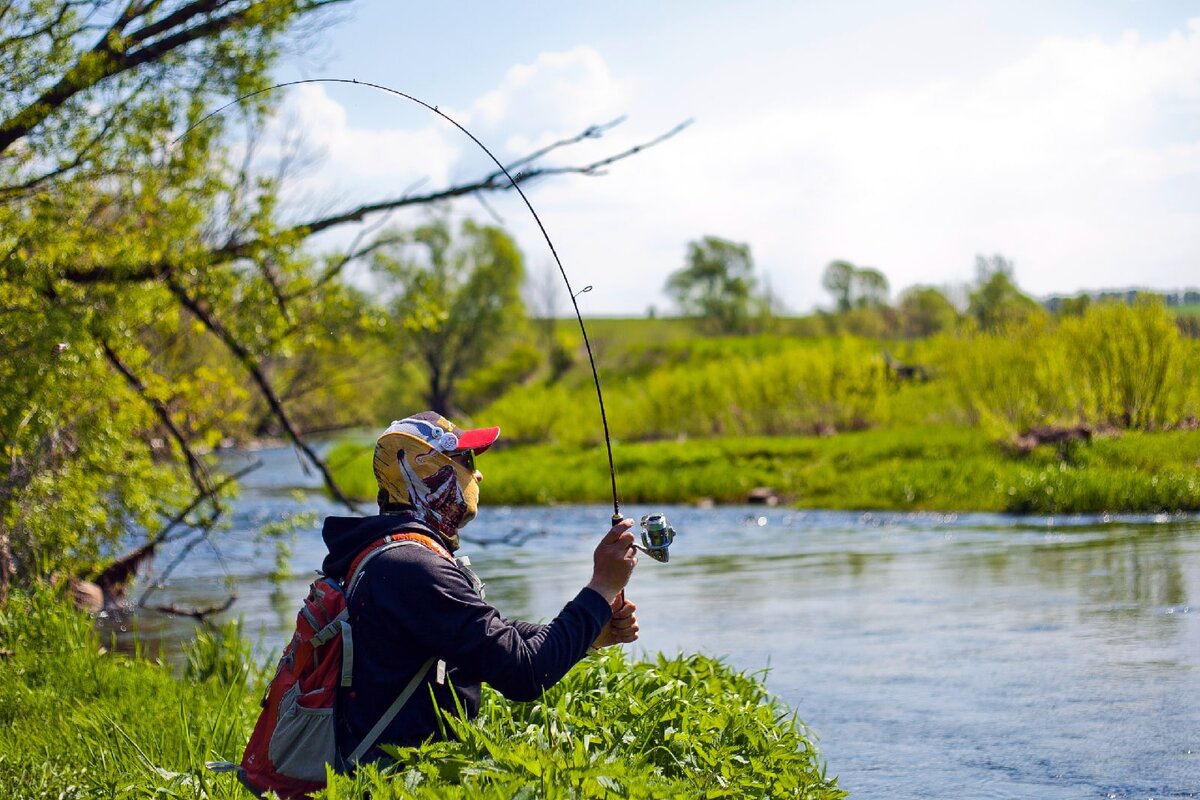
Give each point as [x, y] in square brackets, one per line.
[397, 631]
[415, 630]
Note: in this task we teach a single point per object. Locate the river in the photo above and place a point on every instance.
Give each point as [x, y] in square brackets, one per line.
[931, 655]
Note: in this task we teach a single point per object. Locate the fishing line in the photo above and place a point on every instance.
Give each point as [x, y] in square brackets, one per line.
[612, 472]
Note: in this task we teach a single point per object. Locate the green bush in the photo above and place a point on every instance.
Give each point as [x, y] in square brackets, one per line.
[679, 727]
[1116, 365]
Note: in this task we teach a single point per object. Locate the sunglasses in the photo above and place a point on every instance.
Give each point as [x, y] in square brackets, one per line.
[464, 458]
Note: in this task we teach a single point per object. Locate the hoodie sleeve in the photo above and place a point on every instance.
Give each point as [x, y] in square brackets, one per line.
[428, 601]
[527, 629]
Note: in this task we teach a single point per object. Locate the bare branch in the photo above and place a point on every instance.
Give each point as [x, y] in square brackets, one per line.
[164, 534]
[492, 182]
[251, 365]
[591, 132]
[496, 218]
[199, 472]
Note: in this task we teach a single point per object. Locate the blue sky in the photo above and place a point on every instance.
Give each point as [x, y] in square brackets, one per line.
[907, 136]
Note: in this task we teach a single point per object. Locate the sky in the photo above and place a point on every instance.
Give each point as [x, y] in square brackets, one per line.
[905, 136]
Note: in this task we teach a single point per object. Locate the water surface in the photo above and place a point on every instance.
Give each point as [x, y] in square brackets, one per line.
[947, 656]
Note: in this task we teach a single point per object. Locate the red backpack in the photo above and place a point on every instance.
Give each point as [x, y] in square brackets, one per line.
[295, 736]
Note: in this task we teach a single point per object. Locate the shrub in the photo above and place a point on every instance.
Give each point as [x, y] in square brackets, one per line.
[1119, 365]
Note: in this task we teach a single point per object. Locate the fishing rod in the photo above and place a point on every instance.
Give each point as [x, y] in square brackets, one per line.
[657, 534]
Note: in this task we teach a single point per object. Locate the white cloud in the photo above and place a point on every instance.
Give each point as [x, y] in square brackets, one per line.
[1079, 159]
[347, 164]
[1070, 160]
[559, 94]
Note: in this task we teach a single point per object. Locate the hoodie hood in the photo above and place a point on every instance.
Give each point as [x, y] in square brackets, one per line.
[346, 537]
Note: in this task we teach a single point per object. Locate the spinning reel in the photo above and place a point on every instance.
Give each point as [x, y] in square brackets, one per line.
[657, 535]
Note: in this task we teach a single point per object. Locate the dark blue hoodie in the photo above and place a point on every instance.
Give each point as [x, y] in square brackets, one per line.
[411, 604]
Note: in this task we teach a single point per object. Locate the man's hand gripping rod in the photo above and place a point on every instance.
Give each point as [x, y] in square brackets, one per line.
[657, 536]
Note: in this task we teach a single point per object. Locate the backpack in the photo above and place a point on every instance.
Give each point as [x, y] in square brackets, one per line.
[295, 736]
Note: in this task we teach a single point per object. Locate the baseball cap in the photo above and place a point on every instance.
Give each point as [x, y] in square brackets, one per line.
[443, 435]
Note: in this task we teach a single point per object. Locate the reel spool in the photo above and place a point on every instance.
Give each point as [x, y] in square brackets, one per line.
[657, 536]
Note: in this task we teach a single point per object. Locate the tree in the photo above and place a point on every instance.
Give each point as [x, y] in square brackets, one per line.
[839, 281]
[855, 287]
[925, 311]
[152, 295]
[717, 286]
[108, 242]
[995, 301]
[459, 300]
[871, 288]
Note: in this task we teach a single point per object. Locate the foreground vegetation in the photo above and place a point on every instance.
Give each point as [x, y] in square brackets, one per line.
[83, 721]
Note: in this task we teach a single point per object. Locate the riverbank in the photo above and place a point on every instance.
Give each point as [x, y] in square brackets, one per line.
[933, 468]
[83, 721]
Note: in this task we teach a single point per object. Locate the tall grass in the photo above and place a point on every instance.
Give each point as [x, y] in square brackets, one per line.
[690, 417]
[80, 720]
[769, 387]
[930, 468]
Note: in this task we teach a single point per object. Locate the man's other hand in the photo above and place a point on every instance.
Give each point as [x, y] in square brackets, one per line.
[622, 628]
[613, 561]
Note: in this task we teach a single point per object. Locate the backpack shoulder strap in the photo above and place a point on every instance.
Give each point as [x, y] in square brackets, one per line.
[374, 734]
[390, 542]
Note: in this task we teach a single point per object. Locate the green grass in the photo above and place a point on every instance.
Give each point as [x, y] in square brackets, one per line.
[675, 727]
[82, 721]
[934, 468]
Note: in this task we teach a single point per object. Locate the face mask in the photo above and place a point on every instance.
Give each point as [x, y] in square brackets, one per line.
[444, 493]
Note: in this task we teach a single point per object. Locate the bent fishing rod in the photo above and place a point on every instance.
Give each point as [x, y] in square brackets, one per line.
[657, 534]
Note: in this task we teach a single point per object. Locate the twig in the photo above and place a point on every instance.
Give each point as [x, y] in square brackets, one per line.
[200, 613]
[179, 517]
[159, 582]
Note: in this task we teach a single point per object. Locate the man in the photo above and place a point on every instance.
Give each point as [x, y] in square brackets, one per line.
[416, 610]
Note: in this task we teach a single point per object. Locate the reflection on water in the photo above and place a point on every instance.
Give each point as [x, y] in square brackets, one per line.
[933, 655]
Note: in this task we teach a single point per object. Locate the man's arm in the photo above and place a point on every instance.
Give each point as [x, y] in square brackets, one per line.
[527, 629]
[432, 604]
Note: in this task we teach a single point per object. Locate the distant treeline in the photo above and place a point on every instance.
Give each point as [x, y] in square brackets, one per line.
[1176, 299]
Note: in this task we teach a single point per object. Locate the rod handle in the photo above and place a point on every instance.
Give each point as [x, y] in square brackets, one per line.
[619, 601]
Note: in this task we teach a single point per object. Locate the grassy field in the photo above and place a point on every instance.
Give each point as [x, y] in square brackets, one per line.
[825, 423]
[945, 468]
[82, 721]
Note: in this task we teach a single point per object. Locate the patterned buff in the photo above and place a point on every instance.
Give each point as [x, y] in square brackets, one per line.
[414, 470]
